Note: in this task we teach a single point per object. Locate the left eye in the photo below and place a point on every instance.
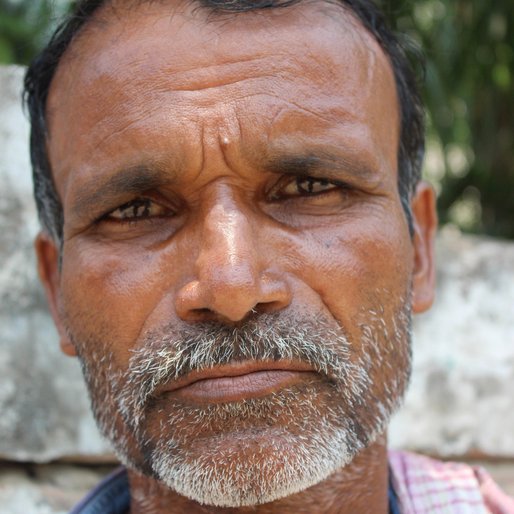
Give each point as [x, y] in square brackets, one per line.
[305, 186]
[136, 210]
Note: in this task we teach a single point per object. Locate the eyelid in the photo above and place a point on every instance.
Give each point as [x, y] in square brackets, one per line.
[107, 216]
[286, 180]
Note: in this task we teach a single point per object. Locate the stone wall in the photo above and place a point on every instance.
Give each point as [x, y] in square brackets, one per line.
[461, 401]
[461, 398]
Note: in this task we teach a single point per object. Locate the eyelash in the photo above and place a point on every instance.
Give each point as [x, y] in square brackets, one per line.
[278, 193]
[140, 211]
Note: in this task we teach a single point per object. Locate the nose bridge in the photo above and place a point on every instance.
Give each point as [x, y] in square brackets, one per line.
[228, 256]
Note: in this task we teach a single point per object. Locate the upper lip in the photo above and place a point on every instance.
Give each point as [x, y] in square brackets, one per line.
[234, 369]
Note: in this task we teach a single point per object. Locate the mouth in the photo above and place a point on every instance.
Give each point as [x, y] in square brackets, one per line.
[239, 381]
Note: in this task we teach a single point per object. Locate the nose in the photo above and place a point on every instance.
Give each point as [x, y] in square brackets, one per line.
[231, 277]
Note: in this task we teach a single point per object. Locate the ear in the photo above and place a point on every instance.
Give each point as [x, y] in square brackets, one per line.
[47, 255]
[424, 214]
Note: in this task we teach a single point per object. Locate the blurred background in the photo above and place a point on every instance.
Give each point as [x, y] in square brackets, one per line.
[468, 89]
[467, 86]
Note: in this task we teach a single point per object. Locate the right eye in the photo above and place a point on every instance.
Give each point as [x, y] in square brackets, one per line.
[136, 210]
[308, 186]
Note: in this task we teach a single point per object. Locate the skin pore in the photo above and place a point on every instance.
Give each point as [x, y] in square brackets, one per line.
[229, 188]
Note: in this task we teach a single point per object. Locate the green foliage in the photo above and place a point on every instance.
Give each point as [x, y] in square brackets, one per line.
[468, 91]
[469, 94]
[24, 27]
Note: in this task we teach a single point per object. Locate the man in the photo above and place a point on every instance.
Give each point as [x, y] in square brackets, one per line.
[234, 238]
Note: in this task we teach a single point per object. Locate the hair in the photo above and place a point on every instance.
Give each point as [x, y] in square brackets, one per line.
[40, 74]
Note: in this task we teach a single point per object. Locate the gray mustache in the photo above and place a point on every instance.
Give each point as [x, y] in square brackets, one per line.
[166, 355]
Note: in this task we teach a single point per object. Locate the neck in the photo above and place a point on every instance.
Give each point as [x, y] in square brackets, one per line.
[359, 487]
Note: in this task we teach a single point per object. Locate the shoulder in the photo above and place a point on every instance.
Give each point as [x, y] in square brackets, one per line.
[425, 485]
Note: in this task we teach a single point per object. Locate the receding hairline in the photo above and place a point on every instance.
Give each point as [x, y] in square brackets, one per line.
[213, 13]
[103, 16]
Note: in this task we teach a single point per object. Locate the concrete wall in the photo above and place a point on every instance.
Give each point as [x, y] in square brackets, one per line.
[461, 401]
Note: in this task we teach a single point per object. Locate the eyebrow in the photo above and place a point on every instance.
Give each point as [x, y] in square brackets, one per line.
[127, 181]
[323, 165]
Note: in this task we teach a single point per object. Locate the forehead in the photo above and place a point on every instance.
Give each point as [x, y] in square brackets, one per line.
[179, 34]
[179, 63]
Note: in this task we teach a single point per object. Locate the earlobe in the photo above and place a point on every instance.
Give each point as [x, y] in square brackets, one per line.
[425, 225]
[47, 255]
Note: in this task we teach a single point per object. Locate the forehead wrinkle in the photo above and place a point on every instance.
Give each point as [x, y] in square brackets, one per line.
[165, 77]
[211, 40]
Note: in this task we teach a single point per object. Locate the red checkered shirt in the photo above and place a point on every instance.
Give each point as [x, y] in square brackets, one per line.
[428, 486]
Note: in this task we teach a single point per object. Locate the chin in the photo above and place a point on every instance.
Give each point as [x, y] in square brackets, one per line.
[244, 474]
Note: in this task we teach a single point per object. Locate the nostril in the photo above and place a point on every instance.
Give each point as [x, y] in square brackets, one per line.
[202, 314]
[267, 307]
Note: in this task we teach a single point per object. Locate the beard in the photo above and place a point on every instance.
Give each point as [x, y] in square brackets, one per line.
[256, 450]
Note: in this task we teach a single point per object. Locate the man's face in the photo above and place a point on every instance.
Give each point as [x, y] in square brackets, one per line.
[236, 267]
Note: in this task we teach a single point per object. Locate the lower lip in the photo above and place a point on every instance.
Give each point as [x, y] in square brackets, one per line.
[241, 387]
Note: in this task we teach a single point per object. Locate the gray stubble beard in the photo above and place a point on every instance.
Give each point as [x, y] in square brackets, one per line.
[261, 449]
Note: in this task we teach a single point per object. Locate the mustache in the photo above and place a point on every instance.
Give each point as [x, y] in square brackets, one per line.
[169, 354]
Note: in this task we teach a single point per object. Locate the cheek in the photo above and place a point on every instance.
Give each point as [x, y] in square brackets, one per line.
[112, 293]
[352, 267]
